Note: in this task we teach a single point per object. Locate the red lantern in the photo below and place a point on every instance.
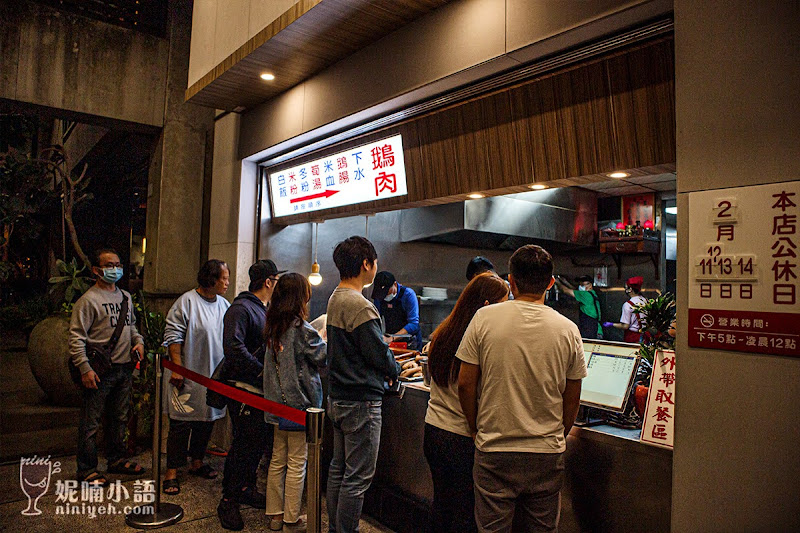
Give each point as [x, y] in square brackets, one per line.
[648, 224]
[620, 225]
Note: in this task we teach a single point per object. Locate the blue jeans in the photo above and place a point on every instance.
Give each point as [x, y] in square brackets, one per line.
[356, 437]
[113, 394]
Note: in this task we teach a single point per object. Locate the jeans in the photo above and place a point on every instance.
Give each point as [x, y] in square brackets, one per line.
[528, 484]
[287, 473]
[187, 437]
[450, 457]
[252, 436]
[113, 394]
[356, 437]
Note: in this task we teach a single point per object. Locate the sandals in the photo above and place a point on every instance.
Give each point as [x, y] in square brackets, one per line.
[95, 480]
[126, 467]
[171, 487]
[204, 471]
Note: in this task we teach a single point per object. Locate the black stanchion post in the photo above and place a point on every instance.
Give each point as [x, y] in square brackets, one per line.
[157, 514]
[314, 423]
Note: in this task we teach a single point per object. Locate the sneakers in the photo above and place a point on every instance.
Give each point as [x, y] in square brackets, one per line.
[229, 516]
[275, 524]
[253, 498]
[296, 527]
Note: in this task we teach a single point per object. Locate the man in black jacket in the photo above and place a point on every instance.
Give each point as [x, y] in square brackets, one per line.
[243, 344]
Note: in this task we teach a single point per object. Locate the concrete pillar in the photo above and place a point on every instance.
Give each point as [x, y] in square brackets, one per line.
[175, 189]
[234, 191]
[738, 124]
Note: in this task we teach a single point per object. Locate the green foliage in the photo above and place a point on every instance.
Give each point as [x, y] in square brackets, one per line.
[26, 189]
[658, 314]
[152, 325]
[72, 280]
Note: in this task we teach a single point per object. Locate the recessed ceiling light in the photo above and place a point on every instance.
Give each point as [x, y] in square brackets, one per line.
[475, 195]
[671, 210]
[618, 175]
[538, 186]
[267, 76]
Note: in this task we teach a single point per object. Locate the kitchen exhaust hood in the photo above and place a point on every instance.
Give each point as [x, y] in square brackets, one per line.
[561, 220]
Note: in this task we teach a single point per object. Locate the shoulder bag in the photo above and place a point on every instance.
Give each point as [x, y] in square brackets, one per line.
[100, 354]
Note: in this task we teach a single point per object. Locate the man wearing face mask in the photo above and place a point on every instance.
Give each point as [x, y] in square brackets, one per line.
[398, 307]
[589, 313]
[94, 320]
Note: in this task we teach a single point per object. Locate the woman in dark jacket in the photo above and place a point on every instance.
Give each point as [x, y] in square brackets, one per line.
[294, 354]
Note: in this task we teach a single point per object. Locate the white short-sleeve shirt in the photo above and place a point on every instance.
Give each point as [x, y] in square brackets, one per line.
[526, 352]
[628, 316]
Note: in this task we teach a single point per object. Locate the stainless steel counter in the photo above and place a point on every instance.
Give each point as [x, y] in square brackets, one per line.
[613, 482]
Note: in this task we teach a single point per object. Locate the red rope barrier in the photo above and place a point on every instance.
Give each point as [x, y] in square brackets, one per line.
[262, 404]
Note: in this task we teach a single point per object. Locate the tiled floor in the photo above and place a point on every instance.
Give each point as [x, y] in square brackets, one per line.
[198, 498]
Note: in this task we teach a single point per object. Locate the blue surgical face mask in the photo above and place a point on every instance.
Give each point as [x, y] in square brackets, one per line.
[389, 297]
[582, 288]
[112, 274]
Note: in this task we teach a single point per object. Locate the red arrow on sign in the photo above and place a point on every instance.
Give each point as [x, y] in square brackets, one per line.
[326, 194]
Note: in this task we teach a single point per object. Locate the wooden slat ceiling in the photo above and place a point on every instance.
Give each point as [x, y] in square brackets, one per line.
[307, 38]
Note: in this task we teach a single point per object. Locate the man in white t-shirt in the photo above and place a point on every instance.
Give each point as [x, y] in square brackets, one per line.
[520, 386]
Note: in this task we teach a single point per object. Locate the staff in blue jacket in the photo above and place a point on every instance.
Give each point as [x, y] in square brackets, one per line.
[398, 307]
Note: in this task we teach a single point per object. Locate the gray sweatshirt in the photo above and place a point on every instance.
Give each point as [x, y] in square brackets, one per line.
[94, 319]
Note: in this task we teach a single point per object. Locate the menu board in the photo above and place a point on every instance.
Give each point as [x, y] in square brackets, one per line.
[364, 173]
[658, 424]
[743, 278]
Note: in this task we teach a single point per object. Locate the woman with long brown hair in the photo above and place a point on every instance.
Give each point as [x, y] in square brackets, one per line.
[294, 354]
[448, 445]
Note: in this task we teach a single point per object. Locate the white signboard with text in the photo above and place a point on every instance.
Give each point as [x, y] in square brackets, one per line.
[744, 293]
[365, 173]
[658, 426]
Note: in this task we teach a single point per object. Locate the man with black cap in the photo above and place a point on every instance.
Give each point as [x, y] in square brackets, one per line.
[631, 321]
[398, 307]
[243, 344]
[589, 312]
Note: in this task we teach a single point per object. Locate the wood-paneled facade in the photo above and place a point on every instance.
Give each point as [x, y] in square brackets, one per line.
[568, 127]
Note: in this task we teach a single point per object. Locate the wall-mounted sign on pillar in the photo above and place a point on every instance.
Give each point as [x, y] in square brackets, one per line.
[365, 173]
[743, 288]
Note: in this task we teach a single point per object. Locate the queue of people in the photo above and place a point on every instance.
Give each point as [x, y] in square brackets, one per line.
[506, 373]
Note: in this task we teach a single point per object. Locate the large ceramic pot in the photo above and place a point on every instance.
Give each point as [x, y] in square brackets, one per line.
[48, 352]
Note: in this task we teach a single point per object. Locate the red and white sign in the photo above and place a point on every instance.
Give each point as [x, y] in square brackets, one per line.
[362, 174]
[744, 293]
[658, 426]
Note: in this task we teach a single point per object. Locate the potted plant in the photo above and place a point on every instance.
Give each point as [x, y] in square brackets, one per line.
[151, 325]
[659, 315]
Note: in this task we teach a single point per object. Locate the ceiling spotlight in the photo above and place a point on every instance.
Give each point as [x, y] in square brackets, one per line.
[475, 195]
[267, 76]
[618, 175]
[538, 186]
[671, 210]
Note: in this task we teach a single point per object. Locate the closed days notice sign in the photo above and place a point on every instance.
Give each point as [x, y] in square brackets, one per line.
[743, 281]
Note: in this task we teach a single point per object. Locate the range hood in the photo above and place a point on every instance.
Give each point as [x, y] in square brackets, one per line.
[561, 220]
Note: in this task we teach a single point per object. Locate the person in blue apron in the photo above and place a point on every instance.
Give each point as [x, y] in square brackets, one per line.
[589, 321]
[398, 307]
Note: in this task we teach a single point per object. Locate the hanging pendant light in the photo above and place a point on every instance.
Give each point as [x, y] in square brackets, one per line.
[315, 278]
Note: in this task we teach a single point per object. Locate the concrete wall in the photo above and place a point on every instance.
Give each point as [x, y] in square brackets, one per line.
[177, 173]
[220, 27]
[232, 232]
[738, 123]
[64, 61]
[454, 45]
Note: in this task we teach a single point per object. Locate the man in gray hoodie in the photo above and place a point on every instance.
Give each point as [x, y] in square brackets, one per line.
[94, 319]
